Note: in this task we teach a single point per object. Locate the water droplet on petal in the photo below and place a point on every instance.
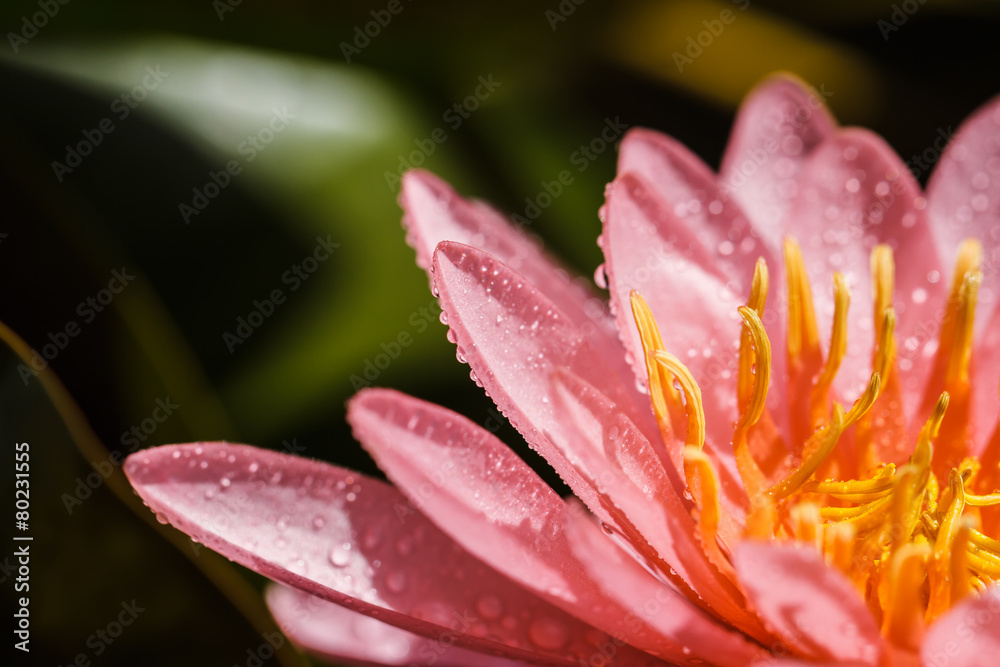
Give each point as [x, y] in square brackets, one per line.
[548, 633]
[340, 555]
[396, 582]
[489, 607]
[601, 277]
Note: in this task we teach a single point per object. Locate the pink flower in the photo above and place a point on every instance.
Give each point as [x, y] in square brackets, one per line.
[813, 484]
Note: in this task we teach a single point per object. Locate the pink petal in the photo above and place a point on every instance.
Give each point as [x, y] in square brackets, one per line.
[465, 479]
[687, 188]
[348, 539]
[812, 607]
[967, 636]
[856, 193]
[649, 250]
[964, 197]
[985, 378]
[779, 124]
[513, 337]
[697, 637]
[614, 456]
[435, 213]
[339, 635]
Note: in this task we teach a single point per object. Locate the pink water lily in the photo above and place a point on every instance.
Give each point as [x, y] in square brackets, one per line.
[782, 434]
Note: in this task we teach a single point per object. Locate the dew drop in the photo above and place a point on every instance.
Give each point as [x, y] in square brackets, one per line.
[601, 277]
[253, 467]
[340, 554]
[489, 607]
[548, 633]
[396, 582]
[404, 546]
[225, 482]
[372, 538]
[318, 522]
[919, 295]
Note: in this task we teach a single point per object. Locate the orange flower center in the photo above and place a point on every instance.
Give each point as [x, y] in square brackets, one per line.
[913, 537]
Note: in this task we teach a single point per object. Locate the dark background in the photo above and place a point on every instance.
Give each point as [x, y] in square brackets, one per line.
[908, 70]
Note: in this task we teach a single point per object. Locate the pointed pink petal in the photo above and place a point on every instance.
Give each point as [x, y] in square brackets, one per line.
[696, 637]
[346, 538]
[967, 636]
[811, 606]
[779, 123]
[687, 188]
[611, 453]
[964, 198]
[513, 337]
[856, 193]
[339, 635]
[435, 213]
[647, 249]
[985, 378]
[489, 501]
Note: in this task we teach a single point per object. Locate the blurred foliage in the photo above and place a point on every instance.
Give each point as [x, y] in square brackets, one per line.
[559, 70]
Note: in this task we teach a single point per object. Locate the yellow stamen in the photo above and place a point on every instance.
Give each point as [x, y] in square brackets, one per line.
[661, 388]
[808, 524]
[803, 334]
[827, 438]
[904, 620]
[758, 297]
[839, 541]
[961, 350]
[883, 278]
[753, 479]
[959, 563]
[838, 349]
[705, 490]
[939, 567]
[693, 406]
